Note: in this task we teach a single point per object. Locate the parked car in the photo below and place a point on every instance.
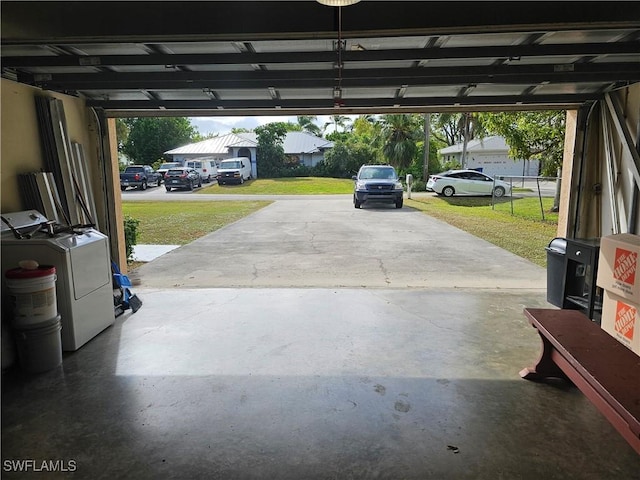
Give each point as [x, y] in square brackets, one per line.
[182, 178]
[207, 169]
[139, 176]
[234, 170]
[165, 167]
[377, 183]
[467, 182]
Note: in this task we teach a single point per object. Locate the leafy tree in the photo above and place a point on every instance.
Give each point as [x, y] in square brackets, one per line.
[288, 126]
[454, 128]
[198, 137]
[307, 124]
[338, 136]
[122, 132]
[399, 136]
[150, 137]
[270, 153]
[532, 135]
[417, 163]
[367, 129]
[450, 128]
[346, 157]
[445, 128]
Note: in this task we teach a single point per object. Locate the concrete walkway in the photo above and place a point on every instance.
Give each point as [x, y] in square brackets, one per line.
[147, 253]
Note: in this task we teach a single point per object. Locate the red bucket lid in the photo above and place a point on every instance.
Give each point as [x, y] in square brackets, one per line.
[25, 273]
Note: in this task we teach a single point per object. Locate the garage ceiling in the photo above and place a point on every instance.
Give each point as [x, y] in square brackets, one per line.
[239, 58]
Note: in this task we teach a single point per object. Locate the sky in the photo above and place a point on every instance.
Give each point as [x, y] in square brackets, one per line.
[223, 125]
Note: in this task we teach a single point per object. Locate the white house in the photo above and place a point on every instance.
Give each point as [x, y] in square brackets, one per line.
[300, 147]
[490, 155]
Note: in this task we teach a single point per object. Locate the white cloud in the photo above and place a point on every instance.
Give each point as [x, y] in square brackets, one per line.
[223, 125]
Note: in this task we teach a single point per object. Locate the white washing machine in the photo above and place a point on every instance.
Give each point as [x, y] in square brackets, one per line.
[84, 289]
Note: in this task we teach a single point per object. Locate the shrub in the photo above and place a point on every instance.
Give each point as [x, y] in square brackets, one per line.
[130, 234]
[295, 171]
[451, 165]
[418, 186]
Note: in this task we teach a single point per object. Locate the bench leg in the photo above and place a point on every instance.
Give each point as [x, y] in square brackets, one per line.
[545, 368]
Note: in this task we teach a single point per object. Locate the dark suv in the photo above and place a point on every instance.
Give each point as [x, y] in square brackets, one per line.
[377, 183]
[182, 177]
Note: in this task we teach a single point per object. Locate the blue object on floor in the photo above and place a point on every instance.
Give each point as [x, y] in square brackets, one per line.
[125, 299]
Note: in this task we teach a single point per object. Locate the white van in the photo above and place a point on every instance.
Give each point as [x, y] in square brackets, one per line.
[205, 167]
[234, 170]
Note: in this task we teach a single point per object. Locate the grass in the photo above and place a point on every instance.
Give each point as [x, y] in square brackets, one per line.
[285, 186]
[524, 233]
[178, 223]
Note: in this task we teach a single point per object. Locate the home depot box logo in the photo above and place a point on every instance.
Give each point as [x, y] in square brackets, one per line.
[621, 320]
[624, 267]
[625, 320]
[618, 264]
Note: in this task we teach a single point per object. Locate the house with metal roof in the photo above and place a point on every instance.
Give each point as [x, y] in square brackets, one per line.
[490, 155]
[300, 148]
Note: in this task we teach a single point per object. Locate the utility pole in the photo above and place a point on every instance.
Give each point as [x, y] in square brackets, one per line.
[425, 161]
[465, 139]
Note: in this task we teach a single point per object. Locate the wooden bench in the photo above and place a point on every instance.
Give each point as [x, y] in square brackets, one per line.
[576, 349]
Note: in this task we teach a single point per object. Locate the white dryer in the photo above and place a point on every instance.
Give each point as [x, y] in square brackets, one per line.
[84, 289]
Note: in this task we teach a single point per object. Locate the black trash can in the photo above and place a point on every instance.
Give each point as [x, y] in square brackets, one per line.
[556, 271]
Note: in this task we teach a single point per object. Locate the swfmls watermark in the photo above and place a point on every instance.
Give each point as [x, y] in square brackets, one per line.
[32, 465]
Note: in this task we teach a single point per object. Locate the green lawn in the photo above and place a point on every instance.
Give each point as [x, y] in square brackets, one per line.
[285, 186]
[523, 233]
[178, 223]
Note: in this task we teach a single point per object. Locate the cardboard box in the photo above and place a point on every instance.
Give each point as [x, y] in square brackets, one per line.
[618, 266]
[621, 320]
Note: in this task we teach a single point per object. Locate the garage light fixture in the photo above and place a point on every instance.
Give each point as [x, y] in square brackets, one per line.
[337, 3]
[339, 46]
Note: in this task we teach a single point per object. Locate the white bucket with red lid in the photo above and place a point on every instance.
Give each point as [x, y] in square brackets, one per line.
[32, 288]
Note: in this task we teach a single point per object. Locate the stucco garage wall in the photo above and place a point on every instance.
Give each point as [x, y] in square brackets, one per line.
[20, 146]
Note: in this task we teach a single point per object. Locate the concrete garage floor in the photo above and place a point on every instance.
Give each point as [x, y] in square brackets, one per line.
[315, 382]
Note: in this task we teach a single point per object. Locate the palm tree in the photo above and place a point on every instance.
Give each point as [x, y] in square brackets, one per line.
[400, 134]
[307, 124]
[337, 121]
[454, 128]
[471, 126]
[369, 118]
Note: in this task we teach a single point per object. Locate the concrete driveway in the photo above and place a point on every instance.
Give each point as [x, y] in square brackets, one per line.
[325, 242]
